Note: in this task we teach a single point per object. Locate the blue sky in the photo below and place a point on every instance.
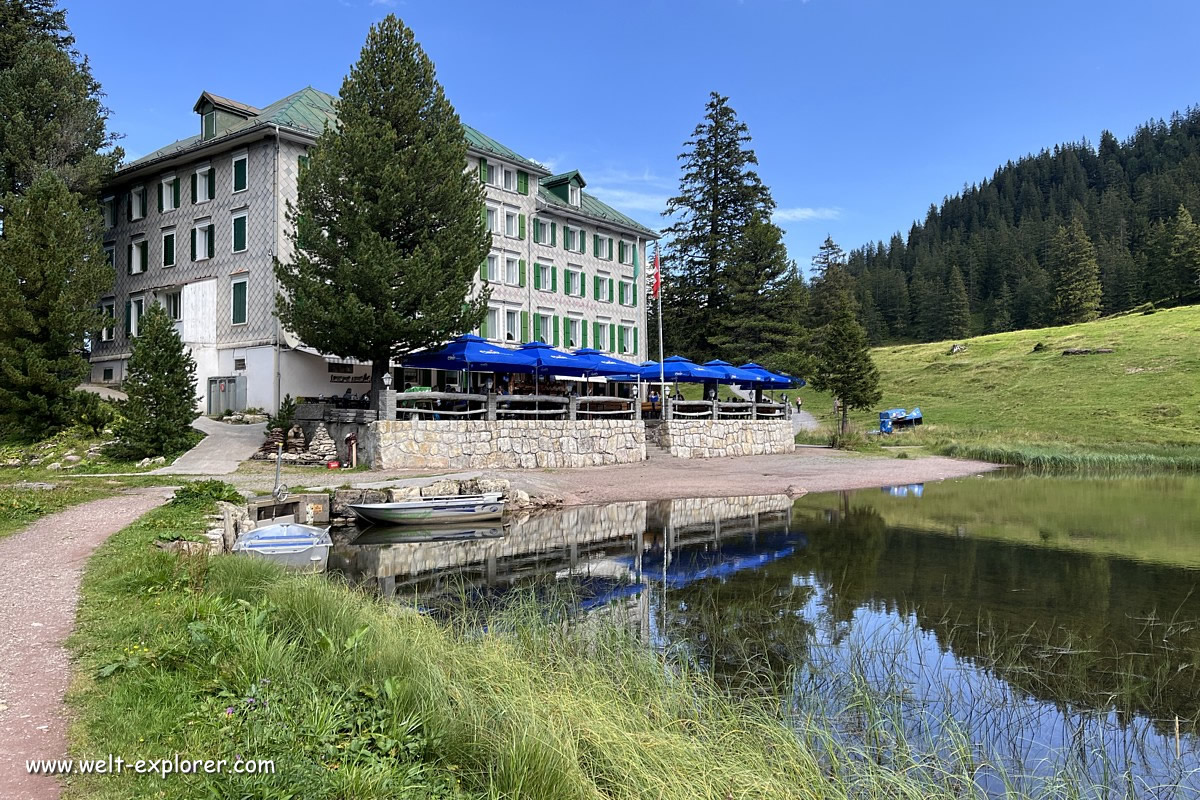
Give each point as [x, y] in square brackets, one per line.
[863, 112]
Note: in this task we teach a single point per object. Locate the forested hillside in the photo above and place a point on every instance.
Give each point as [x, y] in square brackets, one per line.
[1053, 238]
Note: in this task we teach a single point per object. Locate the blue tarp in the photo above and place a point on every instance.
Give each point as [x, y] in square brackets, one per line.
[470, 352]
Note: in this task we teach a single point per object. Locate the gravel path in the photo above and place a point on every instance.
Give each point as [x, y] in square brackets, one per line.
[38, 598]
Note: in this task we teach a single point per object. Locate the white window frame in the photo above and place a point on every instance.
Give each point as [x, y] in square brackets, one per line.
[168, 189]
[109, 309]
[573, 194]
[233, 224]
[140, 255]
[547, 325]
[174, 247]
[232, 284]
[513, 333]
[109, 206]
[581, 240]
[137, 309]
[176, 314]
[604, 279]
[512, 269]
[493, 323]
[492, 175]
[580, 277]
[242, 156]
[603, 252]
[574, 325]
[492, 219]
[513, 215]
[493, 268]
[508, 180]
[200, 177]
[201, 228]
[602, 345]
[137, 202]
[545, 270]
[627, 247]
[625, 338]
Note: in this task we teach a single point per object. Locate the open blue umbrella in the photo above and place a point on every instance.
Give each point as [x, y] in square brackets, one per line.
[678, 368]
[602, 364]
[472, 353]
[550, 360]
[732, 374]
[771, 380]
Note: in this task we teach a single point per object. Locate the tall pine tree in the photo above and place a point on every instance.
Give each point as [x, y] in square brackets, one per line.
[388, 233]
[52, 272]
[958, 308]
[843, 364]
[156, 419]
[1185, 251]
[719, 194]
[1076, 273]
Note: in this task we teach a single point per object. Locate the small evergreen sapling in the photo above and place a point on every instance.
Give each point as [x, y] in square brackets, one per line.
[157, 418]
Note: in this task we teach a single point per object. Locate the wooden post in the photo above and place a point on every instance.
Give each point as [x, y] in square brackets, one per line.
[572, 408]
[490, 413]
[716, 404]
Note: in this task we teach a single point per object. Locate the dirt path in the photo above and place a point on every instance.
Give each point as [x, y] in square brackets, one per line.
[38, 598]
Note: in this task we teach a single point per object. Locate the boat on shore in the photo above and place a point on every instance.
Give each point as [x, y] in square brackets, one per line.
[289, 544]
[466, 508]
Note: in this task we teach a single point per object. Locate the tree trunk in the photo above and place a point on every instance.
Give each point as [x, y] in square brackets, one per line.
[845, 419]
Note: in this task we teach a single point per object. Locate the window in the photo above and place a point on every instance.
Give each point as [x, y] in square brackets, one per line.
[545, 277]
[239, 172]
[512, 271]
[512, 325]
[491, 268]
[573, 239]
[202, 240]
[239, 232]
[168, 248]
[138, 256]
[208, 124]
[110, 255]
[571, 338]
[238, 304]
[624, 338]
[544, 232]
[168, 193]
[109, 206]
[625, 251]
[204, 181]
[601, 338]
[510, 180]
[491, 324]
[602, 246]
[487, 172]
[573, 282]
[107, 374]
[510, 223]
[109, 309]
[134, 308]
[603, 288]
[239, 364]
[137, 202]
[173, 303]
[573, 195]
[490, 218]
[544, 326]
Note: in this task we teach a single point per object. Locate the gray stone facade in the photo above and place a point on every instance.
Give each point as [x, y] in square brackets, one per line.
[503, 444]
[720, 438]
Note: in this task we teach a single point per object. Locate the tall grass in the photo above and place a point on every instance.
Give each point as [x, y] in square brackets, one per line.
[357, 698]
[1051, 459]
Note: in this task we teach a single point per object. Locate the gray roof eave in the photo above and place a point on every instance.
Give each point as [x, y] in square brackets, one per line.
[257, 131]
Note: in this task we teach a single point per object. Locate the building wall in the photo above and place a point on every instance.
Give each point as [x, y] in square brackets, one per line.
[502, 444]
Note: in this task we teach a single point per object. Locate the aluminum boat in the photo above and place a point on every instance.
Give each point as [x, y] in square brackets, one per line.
[289, 544]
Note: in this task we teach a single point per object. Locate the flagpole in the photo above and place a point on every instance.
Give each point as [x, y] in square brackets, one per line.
[658, 296]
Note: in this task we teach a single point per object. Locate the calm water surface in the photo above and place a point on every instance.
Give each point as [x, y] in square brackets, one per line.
[1053, 623]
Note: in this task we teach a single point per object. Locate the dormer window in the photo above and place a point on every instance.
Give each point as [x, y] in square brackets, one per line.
[208, 123]
[573, 195]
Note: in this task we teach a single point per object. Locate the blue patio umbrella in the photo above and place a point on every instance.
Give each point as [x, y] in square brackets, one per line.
[771, 380]
[680, 369]
[472, 353]
[550, 360]
[732, 374]
[638, 373]
[602, 364]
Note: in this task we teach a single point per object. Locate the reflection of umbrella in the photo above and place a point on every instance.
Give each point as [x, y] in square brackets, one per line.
[469, 352]
[732, 374]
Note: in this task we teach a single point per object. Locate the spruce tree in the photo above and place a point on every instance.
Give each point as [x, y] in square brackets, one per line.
[958, 309]
[52, 272]
[1002, 311]
[719, 195]
[843, 364]
[831, 283]
[160, 381]
[1076, 273]
[388, 234]
[1185, 251]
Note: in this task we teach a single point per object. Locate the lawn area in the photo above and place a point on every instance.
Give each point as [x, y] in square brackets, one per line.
[1139, 405]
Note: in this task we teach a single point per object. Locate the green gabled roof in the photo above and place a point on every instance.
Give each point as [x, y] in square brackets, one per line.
[563, 177]
[481, 141]
[592, 207]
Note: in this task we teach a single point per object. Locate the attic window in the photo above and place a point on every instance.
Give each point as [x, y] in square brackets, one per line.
[573, 194]
[208, 127]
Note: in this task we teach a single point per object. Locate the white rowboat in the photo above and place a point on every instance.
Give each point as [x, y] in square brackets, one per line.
[288, 544]
[467, 508]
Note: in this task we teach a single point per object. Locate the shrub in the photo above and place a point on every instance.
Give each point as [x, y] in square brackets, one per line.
[284, 417]
[92, 411]
[206, 491]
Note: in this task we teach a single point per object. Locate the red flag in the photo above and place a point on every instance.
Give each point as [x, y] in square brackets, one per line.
[657, 274]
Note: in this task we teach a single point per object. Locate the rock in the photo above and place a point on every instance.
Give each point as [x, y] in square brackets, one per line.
[72, 459]
[521, 499]
[295, 440]
[485, 485]
[957, 348]
[270, 446]
[344, 497]
[158, 460]
[55, 466]
[401, 494]
[235, 520]
[13, 462]
[322, 446]
[145, 462]
[33, 462]
[441, 488]
[184, 546]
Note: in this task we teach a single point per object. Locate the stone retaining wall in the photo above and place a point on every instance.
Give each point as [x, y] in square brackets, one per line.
[695, 438]
[503, 444]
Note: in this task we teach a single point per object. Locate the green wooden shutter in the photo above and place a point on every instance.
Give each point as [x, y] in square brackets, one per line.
[610, 290]
[483, 330]
[554, 279]
[129, 207]
[521, 272]
[239, 234]
[596, 244]
[582, 284]
[537, 275]
[556, 331]
[633, 289]
[522, 181]
[596, 287]
[175, 192]
[583, 333]
[209, 235]
[582, 241]
[612, 338]
[239, 302]
[553, 234]
[194, 187]
[128, 318]
[596, 335]
[520, 226]
[537, 327]
[566, 235]
[160, 197]
[212, 182]
[483, 215]
[635, 259]
[635, 342]
[193, 244]
[524, 326]
[483, 170]
[610, 248]
[483, 271]
[239, 174]
[537, 234]
[169, 250]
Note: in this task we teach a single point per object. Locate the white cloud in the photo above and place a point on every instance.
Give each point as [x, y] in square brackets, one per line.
[804, 214]
[550, 163]
[627, 200]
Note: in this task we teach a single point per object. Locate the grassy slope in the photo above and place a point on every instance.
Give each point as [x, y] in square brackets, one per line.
[1145, 397]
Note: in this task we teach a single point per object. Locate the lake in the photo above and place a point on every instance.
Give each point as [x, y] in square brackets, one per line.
[1046, 629]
